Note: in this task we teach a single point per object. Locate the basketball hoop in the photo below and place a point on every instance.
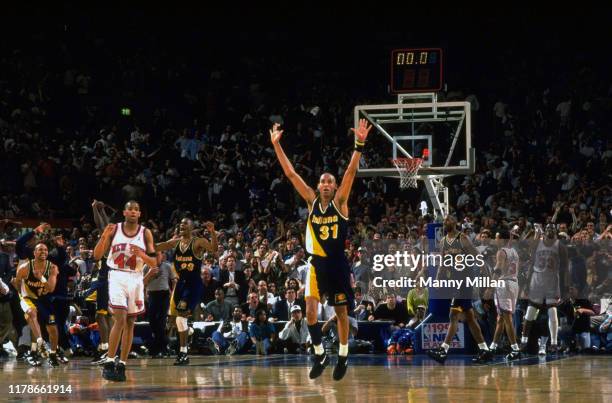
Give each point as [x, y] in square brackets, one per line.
[408, 169]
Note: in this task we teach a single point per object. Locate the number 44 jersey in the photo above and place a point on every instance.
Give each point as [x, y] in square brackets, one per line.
[120, 256]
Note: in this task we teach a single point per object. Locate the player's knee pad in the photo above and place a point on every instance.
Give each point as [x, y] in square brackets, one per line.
[532, 313]
[181, 324]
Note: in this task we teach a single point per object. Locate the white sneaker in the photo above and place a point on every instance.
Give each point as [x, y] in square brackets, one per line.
[542, 350]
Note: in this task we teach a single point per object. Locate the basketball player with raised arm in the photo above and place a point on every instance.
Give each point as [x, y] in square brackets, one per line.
[506, 269]
[326, 232]
[457, 244]
[546, 278]
[103, 316]
[188, 255]
[129, 247]
[36, 279]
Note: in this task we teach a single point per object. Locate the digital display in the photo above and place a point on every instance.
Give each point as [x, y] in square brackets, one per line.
[416, 70]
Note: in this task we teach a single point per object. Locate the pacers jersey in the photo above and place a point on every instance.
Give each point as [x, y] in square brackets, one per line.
[326, 230]
[186, 263]
[32, 287]
[120, 257]
[453, 247]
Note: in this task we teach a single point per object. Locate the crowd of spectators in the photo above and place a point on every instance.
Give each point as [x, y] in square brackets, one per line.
[187, 137]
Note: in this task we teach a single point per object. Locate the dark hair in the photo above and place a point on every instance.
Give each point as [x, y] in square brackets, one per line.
[259, 312]
[358, 290]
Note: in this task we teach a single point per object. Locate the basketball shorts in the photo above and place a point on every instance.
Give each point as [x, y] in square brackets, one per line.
[461, 304]
[186, 297]
[43, 306]
[505, 297]
[126, 292]
[102, 297]
[330, 276]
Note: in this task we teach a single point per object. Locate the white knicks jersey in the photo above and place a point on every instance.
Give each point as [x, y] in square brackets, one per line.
[512, 265]
[119, 255]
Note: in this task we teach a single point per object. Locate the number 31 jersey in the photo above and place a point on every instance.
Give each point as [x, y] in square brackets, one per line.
[119, 256]
[326, 230]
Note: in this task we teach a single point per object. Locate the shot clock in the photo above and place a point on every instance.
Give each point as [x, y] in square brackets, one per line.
[416, 70]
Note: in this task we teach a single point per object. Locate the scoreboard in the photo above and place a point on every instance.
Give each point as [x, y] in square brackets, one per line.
[416, 70]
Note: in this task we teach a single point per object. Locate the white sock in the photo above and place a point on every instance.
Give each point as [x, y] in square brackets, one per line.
[483, 346]
[110, 359]
[553, 325]
[40, 341]
[104, 346]
[51, 351]
[343, 351]
[445, 346]
[121, 362]
[319, 349]
[515, 347]
[184, 349]
[34, 346]
[493, 346]
[543, 340]
[524, 339]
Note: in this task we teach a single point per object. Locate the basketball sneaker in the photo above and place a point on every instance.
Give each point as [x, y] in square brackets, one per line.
[438, 354]
[483, 356]
[391, 350]
[100, 357]
[542, 350]
[53, 360]
[33, 359]
[62, 357]
[319, 364]
[108, 372]
[340, 368]
[513, 355]
[120, 372]
[181, 359]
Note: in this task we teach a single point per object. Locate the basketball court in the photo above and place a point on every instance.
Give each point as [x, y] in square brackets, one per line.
[285, 378]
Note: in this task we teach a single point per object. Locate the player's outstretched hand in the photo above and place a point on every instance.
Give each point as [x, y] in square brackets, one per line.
[42, 228]
[276, 133]
[362, 131]
[210, 227]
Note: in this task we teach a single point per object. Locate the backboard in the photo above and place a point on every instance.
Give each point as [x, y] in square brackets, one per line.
[407, 128]
[419, 126]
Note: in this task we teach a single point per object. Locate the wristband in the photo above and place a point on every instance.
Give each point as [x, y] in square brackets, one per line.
[359, 145]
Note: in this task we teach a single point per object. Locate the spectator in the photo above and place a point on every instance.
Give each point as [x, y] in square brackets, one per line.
[233, 282]
[294, 338]
[364, 307]
[282, 308]
[210, 285]
[330, 329]
[262, 334]
[253, 305]
[232, 336]
[218, 309]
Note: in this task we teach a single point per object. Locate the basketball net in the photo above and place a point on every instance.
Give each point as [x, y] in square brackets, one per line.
[408, 169]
